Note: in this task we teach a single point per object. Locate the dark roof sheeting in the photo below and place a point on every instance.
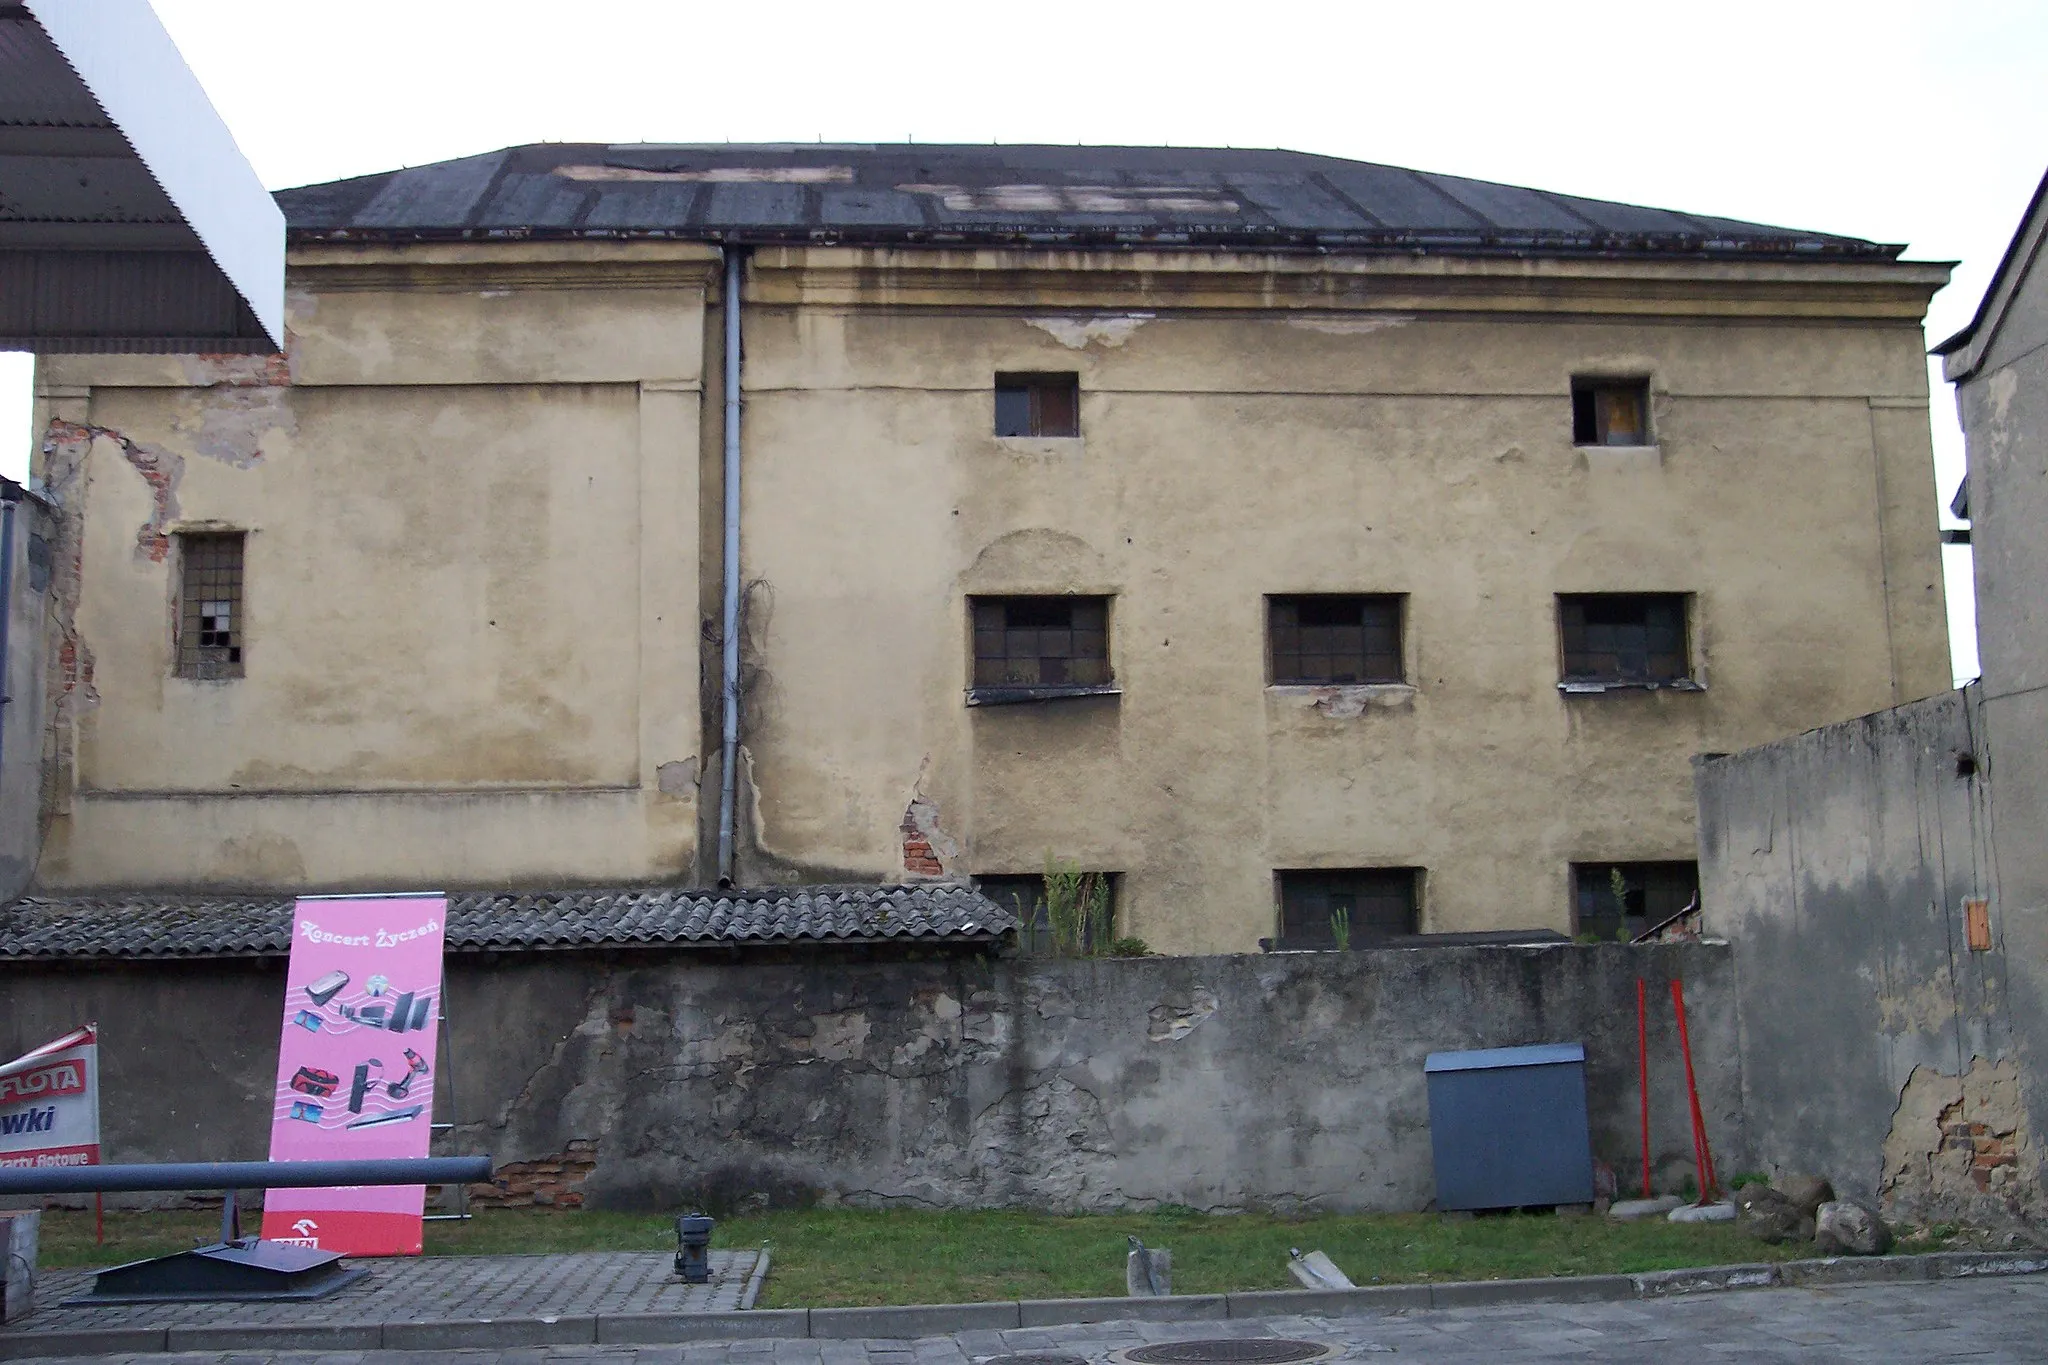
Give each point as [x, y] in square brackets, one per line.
[930, 194]
[143, 925]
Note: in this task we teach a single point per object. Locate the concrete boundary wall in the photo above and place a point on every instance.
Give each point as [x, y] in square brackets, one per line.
[1285, 1082]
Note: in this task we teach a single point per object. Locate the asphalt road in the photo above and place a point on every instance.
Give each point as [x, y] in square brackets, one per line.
[1978, 1320]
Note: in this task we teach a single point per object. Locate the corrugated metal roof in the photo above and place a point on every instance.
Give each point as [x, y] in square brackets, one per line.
[1031, 195]
[145, 925]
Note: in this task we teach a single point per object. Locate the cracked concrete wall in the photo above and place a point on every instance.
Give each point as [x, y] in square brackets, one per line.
[1878, 1046]
[1287, 1082]
[1251, 426]
[470, 638]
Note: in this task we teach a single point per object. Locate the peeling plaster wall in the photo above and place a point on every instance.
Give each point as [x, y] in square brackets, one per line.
[1878, 1048]
[1287, 1082]
[469, 493]
[25, 714]
[1243, 435]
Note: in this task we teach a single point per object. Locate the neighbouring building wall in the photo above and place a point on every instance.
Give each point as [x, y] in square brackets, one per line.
[1288, 1082]
[469, 501]
[1879, 1042]
[23, 719]
[1260, 425]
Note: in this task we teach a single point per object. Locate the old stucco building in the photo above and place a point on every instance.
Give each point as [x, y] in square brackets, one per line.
[1280, 534]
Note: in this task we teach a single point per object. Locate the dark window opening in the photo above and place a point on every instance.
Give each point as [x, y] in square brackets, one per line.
[1327, 638]
[1615, 900]
[1041, 641]
[210, 628]
[1618, 637]
[1038, 405]
[1363, 904]
[1609, 412]
[1024, 897]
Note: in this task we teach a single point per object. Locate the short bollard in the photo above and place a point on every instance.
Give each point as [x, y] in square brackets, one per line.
[693, 1247]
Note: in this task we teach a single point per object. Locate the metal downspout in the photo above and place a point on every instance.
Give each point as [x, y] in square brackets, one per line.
[729, 630]
[12, 499]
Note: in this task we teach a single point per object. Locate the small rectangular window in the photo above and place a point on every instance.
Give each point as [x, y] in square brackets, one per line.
[1613, 900]
[1370, 903]
[1041, 642]
[1624, 638]
[1038, 405]
[210, 625]
[1329, 639]
[1610, 412]
[1024, 897]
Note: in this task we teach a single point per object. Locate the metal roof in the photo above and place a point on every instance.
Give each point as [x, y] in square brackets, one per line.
[930, 194]
[129, 220]
[171, 925]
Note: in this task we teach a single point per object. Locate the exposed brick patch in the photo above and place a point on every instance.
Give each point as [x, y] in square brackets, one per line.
[1984, 1148]
[160, 469]
[551, 1182]
[919, 858]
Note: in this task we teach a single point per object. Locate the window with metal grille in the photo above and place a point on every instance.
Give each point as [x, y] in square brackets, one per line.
[1608, 898]
[1331, 638]
[1610, 412]
[1041, 642]
[1373, 902]
[1618, 637]
[210, 625]
[1038, 405]
[1024, 897]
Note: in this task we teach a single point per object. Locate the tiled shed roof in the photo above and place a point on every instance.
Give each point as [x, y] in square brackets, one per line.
[142, 925]
[1027, 196]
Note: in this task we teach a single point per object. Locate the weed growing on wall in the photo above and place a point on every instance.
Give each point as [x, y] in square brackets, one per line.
[1076, 908]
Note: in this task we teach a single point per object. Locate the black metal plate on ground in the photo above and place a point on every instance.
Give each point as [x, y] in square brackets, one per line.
[327, 1284]
[1036, 1358]
[1229, 1351]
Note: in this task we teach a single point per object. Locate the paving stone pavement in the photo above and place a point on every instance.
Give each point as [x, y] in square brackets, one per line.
[427, 1289]
[1979, 1320]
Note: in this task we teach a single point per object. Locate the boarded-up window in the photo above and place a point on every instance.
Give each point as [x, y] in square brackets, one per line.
[1038, 405]
[1374, 902]
[1024, 897]
[210, 625]
[1041, 641]
[1616, 637]
[1610, 412]
[1329, 638]
[1610, 897]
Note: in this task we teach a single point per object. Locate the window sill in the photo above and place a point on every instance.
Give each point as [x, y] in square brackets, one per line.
[1582, 687]
[1013, 696]
[1622, 459]
[1042, 445]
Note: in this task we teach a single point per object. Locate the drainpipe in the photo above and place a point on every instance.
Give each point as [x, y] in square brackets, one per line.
[10, 498]
[729, 632]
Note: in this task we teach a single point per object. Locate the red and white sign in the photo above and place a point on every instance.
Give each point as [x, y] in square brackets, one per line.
[50, 1103]
[355, 1067]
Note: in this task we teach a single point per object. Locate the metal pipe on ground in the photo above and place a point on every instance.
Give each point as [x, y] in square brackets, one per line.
[243, 1175]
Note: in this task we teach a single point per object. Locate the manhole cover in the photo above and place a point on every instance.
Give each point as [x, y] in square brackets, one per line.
[1237, 1351]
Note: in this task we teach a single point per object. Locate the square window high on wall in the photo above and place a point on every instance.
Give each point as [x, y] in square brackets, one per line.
[1611, 412]
[1038, 405]
[211, 630]
[1024, 896]
[1324, 639]
[1622, 900]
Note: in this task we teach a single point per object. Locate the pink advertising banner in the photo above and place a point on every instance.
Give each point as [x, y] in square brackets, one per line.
[355, 1067]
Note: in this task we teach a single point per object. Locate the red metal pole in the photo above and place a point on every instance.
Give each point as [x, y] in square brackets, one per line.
[1643, 1074]
[1704, 1159]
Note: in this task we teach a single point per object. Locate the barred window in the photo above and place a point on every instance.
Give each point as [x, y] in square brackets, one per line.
[1024, 897]
[210, 625]
[1038, 405]
[1368, 903]
[1328, 638]
[1610, 899]
[1617, 637]
[1041, 642]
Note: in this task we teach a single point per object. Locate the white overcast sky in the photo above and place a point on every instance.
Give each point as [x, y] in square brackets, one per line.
[1900, 120]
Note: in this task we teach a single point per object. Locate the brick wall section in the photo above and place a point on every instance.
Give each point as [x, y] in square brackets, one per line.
[552, 1182]
[919, 858]
[1987, 1149]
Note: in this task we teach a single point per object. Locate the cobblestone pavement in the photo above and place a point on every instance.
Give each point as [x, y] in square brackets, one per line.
[427, 1289]
[1978, 1320]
